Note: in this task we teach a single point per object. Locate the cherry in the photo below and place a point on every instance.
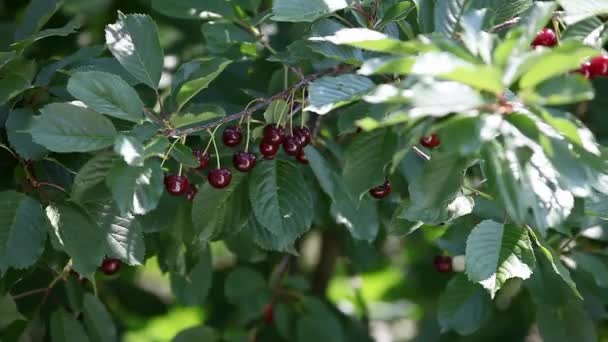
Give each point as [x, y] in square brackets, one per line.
[191, 193]
[430, 141]
[219, 178]
[176, 185]
[268, 150]
[110, 266]
[301, 157]
[585, 70]
[273, 134]
[381, 191]
[443, 264]
[203, 158]
[232, 136]
[546, 37]
[269, 314]
[303, 135]
[291, 145]
[598, 66]
[244, 161]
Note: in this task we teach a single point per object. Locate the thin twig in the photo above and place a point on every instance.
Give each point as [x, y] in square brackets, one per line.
[262, 104]
[30, 292]
[507, 24]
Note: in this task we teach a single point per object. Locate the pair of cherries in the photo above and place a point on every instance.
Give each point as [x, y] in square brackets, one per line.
[381, 191]
[274, 136]
[242, 161]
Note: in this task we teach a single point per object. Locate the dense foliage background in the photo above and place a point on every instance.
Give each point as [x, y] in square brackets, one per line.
[483, 143]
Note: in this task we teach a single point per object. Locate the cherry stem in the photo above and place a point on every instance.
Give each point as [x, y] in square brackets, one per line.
[9, 151]
[280, 115]
[54, 186]
[303, 102]
[248, 133]
[285, 77]
[291, 113]
[246, 108]
[166, 156]
[30, 292]
[217, 153]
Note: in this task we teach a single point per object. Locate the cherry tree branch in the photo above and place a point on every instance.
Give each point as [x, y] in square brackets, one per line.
[263, 103]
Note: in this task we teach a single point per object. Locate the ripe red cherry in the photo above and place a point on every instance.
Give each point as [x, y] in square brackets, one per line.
[176, 185]
[203, 158]
[430, 141]
[443, 264]
[244, 161]
[546, 37]
[273, 134]
[598, 66]
[269, 314]
[191, 193]
[268, 150]
[301, 157]
[219, 178]
[110, 266]
[291, 145]
[303, 135]
[232, 136]
[381, 191]
[585, 70]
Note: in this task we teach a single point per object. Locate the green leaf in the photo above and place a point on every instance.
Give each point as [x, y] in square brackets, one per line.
[322, 44]
[131, 150]
[431, 98]
[196, 113]
[36, 15]
[595, 265]
[448, 14]
[65, 328]
[192, 289]
[68, 29]
[277, 109]
[133, 40]
[184, 155]
[369, 148]
[565, 324]
[591, 31]
[136, 189]
[194, 76]
[328, 93]
[8, 312]
[84, 54]
[463, 306]
[18, 124]
[486, 77]
[267, 240]
[496, 253]
[108, 94]
[280, 198]
[305, 10]
[197, 334]
[560, 90]
[564, 58]
[23, 230]
[97, 320]
[577, 10]
[243, 282]
[92, 173]
[503, 10]
[318, 323]
[371, 40]
[219, 213]
[15, 77]
[123, 234]
[395, 13]
[78, 235]
[194, 9]
[67, 128]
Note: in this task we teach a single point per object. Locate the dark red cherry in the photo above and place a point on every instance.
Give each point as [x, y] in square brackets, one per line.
[381, 191]
[203, 158]
[176, 185]
[244, 161]
[232, 136]
[430, 141]
[269, 314]
[291, 145]
[219, 178]
[598, 66]
[546, 37]
[273, 134]
[268, 150]
[191, 193]
[303, 135]
[585, 70]
[110, 266]
[301, 157]
[443, 264]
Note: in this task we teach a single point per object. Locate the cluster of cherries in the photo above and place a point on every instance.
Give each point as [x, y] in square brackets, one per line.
[595, 67]
[381, 191]
[274, 136]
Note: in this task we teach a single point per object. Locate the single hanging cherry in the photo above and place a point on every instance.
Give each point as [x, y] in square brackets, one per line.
[443, 263]
[430, 141]
[202, 157]
[219, 178]
[268, 150]
[303, 135]
[244, 161]
[291, 145]
[232, 136]
[110, 266]
[176, 185]
[546, 37]
[191, 193]
[381, 191]
[273, 134]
